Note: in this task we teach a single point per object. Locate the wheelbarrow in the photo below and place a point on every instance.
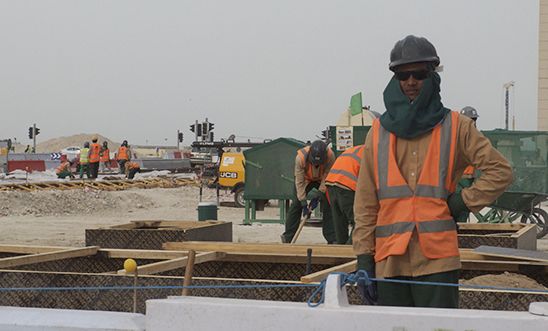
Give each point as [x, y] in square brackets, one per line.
[518, 206]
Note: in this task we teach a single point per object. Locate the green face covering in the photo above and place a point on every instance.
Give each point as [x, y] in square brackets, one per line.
[408, 120]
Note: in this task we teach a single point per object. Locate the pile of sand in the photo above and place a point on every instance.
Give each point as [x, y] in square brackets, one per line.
[506, 279]
[71, 202]
[57, 144]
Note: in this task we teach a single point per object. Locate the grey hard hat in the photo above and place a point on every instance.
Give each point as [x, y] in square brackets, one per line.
[413, 49]
[318, 152]
[469, 112]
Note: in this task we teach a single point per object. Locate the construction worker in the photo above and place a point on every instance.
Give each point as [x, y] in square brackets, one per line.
[64, 170]
[105, 157]
[312, 164]
[123, 156]
[405, 202]
[469, 172]
[94, 157]
[131, 169]
[84, 161]
[341, 184]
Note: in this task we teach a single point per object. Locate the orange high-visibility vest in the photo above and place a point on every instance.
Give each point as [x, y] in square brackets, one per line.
[309, 173]
[65, 165]
[94, 149]
[402, 211]
[122, 153]
[105, 155]
[346, 168]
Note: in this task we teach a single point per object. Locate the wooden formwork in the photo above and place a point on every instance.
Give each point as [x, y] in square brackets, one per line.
[152, 234]
[104, 185]
[521, 236]
[215, 264]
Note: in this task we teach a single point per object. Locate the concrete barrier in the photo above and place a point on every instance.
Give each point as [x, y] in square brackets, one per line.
[39, 319]
[200, 313]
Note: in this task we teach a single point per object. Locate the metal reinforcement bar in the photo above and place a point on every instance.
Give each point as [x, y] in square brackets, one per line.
[104, 185]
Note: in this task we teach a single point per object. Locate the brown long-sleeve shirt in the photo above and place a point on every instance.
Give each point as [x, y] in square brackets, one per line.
[473, 148]
[301, 182]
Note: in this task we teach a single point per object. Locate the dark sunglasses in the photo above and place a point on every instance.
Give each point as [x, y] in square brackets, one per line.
[418, 75]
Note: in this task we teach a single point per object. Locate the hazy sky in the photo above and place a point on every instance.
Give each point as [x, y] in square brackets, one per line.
[140, 70]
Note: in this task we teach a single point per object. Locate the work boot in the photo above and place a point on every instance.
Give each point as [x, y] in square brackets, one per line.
[284, 239]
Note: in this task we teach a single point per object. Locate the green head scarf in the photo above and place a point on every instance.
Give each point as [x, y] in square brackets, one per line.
[408, 119]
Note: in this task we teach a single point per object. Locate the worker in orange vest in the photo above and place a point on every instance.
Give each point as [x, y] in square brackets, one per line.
[312, 164]
[94, 157]
[341, 185]
[131, 169]
[64, 169]
[405, 205]
[105, 157]
[123, 156]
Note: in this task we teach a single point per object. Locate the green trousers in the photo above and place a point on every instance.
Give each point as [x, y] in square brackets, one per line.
[342, 211]
[411, 295]
[295, 212]
[84, 168]
[64, 174]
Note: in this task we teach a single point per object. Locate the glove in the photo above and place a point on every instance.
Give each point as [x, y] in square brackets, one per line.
[367, 289]
[304, 206]
[313, 204]
[457, 207]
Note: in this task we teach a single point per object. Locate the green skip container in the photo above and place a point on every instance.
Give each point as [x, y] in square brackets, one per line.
[207, 211]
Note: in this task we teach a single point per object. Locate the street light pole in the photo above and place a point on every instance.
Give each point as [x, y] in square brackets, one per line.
[34, 138]
[507, 101]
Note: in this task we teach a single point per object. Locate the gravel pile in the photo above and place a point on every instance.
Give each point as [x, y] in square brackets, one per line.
[70, 202]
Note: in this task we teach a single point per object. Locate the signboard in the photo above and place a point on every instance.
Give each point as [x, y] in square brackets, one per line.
[344, 137]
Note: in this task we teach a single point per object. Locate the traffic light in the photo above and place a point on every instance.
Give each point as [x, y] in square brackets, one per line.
[204, 129]
[193, 128]
[31, 132]
[210, 127]
[325, 134]
[36, 131]
[180, 137]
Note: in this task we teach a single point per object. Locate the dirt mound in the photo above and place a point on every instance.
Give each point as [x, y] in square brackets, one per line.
[73, 202]
[57, 144]
[506, 279]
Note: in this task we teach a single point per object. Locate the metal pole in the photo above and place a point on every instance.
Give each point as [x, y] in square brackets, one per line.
[177, 139]
[196, 131]
[506, 104]
[34, 138]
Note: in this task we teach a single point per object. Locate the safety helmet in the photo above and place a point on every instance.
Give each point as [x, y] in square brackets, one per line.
[470, 112]
[413, 49]
[318, 152]
[86, 144]
[94, 139]
[124, 143]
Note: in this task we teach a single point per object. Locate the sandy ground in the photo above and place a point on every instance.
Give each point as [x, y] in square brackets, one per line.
[60, 218]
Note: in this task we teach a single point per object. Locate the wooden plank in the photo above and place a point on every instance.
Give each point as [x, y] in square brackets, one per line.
[321, 275]
[10, 262]
[491, 226]
[318, 250]
[283, 258]
[23, 249]
[157, 267]
[512, 253]
[115, 253]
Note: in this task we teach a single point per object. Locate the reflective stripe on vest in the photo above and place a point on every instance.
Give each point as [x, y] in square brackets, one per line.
[84, 157]
[94, 154]
[122, 153]
[309, 167]
[346, 168]
[105, 155]
[401, 210]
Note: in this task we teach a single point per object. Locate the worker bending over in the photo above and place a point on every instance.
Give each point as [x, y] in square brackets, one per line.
[131, 169]
[64, 170]
[405, 205]
[341, 184]
[312, 164]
